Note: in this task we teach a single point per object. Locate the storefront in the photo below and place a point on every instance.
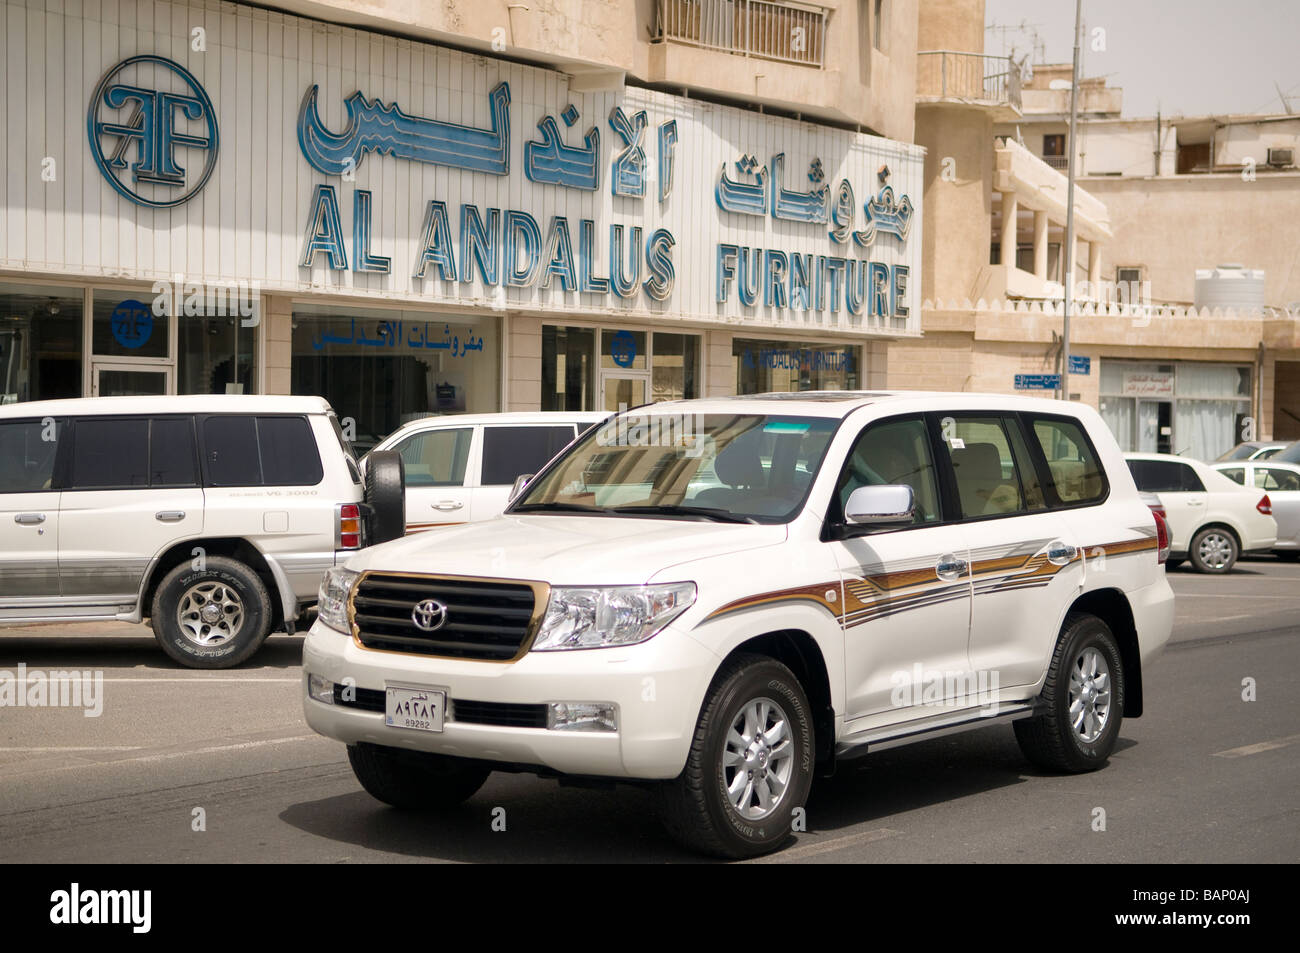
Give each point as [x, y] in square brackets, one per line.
[1193, 409]
[408, 230]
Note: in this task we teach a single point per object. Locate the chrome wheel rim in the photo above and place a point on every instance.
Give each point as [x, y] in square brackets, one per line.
[1215, 550]
[1089, 695]
[758, 759]
[210, 613]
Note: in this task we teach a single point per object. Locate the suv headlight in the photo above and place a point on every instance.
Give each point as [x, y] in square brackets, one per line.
[332, 601]
[605, 616]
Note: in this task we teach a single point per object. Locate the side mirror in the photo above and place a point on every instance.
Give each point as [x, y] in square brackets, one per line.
[885, 505]
[520, 483]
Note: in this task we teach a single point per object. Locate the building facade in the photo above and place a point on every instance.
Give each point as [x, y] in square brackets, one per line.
[214, 197]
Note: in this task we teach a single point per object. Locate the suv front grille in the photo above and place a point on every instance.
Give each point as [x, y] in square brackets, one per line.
[486, 620]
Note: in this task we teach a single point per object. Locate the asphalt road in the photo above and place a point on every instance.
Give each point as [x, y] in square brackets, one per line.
[1204, 776]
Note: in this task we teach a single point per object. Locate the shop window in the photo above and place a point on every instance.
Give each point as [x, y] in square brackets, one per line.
[382, 369]
[676, 362]
[123, 324]
[567, 355]
[768, 366]
[40, 343]
[217, 355]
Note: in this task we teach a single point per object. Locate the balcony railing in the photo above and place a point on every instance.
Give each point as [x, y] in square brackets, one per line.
[1057, 162]
[945, 74]
[787, 32]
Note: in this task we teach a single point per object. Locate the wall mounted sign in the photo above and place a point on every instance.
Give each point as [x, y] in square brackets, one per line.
[1157, 384]
[622, 348]
[1080, 364]
[137, 124]
[1038, 382]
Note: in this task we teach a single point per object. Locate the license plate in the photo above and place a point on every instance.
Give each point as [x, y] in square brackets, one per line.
[421, 709]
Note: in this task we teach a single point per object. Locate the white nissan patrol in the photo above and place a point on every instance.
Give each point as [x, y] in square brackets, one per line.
[724, 597]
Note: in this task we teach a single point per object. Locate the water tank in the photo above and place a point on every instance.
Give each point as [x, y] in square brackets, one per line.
[1230, 286]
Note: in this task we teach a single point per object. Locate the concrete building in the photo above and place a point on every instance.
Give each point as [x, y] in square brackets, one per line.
[416, 208]
[1166, 375]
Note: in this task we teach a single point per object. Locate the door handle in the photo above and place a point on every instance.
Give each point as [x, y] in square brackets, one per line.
[950, 567]
[29, 519]
[448, 505]
[1059, 553]
[169, 516]
[1195, 502]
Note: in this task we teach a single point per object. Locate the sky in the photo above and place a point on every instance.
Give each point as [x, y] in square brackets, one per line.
[1182, 57]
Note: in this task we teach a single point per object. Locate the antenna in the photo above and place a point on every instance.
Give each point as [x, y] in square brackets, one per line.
[1286, 102]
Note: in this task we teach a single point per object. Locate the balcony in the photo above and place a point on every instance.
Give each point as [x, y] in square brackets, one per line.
[765, 29]
[946, 76]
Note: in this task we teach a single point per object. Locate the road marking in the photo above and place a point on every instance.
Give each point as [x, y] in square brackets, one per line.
[62, 749]
[1256, 748]
[18, 769]
[823, 847]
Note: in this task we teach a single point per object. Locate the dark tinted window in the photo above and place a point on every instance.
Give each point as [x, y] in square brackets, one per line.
[172, 460]
[289, 456]
[27, 451]
[230, 453]
[110, 453]
[510, 452]
[1164, 476]
[1076, 474]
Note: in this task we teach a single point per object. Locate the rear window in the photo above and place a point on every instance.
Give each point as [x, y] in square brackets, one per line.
[110, 453]
[241, 450]
[511, 452]
[1071, 461]
[1164, 476]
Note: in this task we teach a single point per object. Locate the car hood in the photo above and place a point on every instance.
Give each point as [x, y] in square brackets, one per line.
[565, 549]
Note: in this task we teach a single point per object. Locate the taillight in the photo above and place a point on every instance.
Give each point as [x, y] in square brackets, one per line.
[349, 526]
[1265, 506]
[1162, 537]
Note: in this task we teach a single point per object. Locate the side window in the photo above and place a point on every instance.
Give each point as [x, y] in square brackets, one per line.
[1159, 476]
[230, 451]
[510, 452]
[1235, 474]
[27, 456]
[110, 453]
[989, 483]
[1190, 479]
[892, 452]
[1076, 474]
[288, 450]
[1275, 478]
[436, 457]
[171, 452]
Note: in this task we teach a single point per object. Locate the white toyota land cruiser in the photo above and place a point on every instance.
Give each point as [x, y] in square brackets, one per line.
[725, 596]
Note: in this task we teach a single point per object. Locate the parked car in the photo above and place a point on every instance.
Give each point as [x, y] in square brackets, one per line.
[212, 516]
[1212, 520]
[1289, 454]
[1252, 450]
[461, 468]
[759, 588]
[1281, 481]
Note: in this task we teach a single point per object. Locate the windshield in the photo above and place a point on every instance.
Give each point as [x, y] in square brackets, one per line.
[741, 468]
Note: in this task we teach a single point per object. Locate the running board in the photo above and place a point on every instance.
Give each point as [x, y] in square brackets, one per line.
[892, 736]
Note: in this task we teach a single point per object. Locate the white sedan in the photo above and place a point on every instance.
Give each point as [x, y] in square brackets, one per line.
[1212, 520]
[1281, 481]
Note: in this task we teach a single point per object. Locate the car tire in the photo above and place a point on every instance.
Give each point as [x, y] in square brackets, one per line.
[213, 617]
[697, 808]
[1057, 738]
[415, 780]
[1214, 550]
[386, 495]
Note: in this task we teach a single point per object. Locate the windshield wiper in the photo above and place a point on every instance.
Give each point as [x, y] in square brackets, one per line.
[715, 514]
[561, 508]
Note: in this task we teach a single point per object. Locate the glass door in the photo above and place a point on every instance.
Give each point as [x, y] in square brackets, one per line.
[130, 380]
[1155, 426]
[621, 391]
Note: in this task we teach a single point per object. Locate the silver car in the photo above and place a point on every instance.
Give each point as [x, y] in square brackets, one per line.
[1281, 481]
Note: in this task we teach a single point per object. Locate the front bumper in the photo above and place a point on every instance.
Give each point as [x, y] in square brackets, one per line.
[658, 687]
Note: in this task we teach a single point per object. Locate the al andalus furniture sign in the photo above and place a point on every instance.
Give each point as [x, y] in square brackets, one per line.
[313, 158]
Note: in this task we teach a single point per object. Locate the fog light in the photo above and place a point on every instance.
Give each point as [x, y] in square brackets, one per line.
[582, 716]
[321, 689]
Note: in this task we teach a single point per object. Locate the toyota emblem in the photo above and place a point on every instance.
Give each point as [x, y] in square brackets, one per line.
[429, 615]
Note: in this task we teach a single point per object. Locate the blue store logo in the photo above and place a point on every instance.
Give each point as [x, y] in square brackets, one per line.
[622, 348]
[132, 323]
[144, 110]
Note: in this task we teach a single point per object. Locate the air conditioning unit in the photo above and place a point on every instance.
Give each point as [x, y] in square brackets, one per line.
[1281, 158]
